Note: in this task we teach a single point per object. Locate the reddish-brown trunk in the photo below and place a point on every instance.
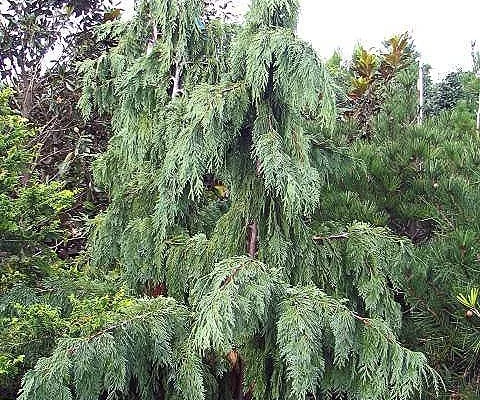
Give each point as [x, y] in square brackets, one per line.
[252, 239]
[236, 375]
[156, 289]
[236, 362]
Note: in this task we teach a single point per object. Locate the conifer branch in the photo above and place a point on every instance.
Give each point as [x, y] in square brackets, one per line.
[230, 278]
[338, 236]
[114, 327]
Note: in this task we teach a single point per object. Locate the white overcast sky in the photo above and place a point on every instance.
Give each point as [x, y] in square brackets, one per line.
[442, 29]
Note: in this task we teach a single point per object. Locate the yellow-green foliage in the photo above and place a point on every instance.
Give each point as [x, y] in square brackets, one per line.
[29, 209]
[30, 212]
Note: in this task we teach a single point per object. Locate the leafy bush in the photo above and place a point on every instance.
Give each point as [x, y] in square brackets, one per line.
[37, 289]
[30, 211]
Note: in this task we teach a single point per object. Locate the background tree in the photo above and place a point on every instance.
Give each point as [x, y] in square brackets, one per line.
[421, 181]
[456, 87]
[40, 44]
[42, 35]
[30, 225]
[449, 92]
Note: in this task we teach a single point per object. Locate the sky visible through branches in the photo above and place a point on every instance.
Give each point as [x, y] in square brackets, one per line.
[442, 30]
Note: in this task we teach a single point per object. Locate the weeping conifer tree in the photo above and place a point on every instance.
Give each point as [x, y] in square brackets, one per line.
[216, 173]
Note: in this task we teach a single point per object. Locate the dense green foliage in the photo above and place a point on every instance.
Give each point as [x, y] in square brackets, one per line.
[297, 315]
[422, 181]
[29, 222]
[277, 227]
[41, 298]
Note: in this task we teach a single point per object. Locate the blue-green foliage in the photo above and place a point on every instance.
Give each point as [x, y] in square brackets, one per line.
[218, 189]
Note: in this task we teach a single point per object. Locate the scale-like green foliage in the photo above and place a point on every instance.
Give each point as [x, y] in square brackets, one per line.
[216, 183]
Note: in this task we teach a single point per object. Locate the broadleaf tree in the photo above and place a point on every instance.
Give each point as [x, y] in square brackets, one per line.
[216, 174]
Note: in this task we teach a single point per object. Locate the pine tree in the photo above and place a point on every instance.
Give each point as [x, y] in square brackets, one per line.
[422, 182]
[218, 174]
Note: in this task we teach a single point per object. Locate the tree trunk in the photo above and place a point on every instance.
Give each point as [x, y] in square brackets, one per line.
[252, 238]
[421, 101]
[236, 375]
[177, 80]
[236, 362]
[152, 41]
[478, 113]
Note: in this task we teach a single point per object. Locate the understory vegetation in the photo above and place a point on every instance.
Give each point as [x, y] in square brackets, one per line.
[195, 205]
